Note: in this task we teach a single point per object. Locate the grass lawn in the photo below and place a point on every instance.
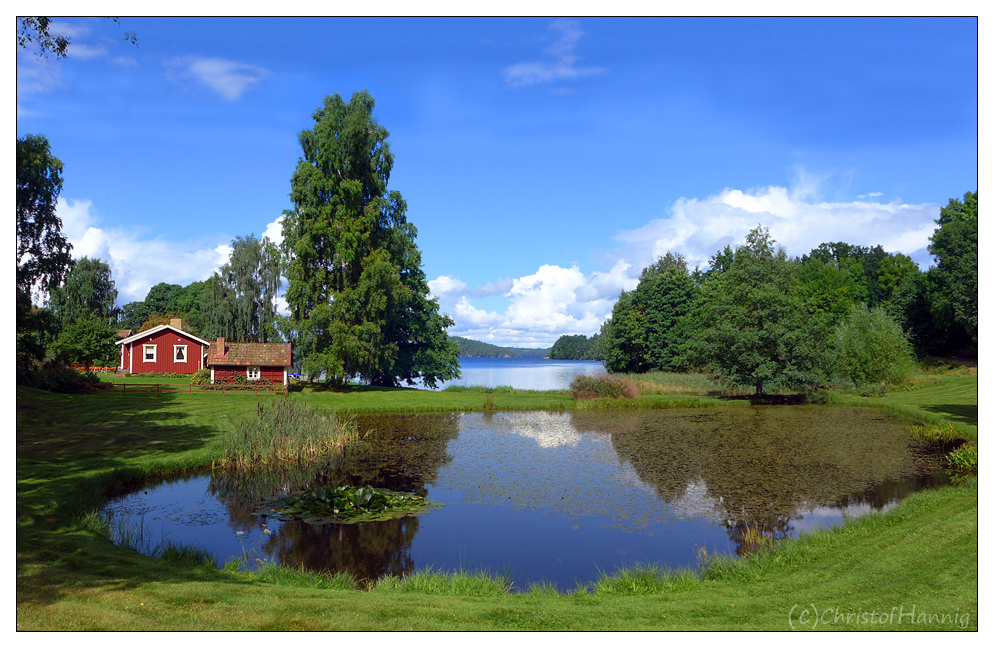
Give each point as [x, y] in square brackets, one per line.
[72, 451]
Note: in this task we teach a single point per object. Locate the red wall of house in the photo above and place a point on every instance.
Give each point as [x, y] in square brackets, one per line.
[164, 341]
[272, 374]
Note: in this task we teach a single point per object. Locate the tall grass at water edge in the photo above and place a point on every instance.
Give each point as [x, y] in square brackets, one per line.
[282, 431]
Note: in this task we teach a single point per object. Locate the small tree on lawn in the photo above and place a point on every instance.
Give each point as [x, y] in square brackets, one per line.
[749, 323]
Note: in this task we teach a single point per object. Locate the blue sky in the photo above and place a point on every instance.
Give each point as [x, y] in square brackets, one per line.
[544, 161]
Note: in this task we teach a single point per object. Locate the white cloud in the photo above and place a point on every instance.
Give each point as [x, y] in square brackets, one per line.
[36, 76]
[445, 285]
[228, 79]
[137, 263]
[699, 228]
[274, 231]
[557, 64]
[541, 307]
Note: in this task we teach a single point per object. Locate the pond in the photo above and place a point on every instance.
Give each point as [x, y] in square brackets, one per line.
[559, 498]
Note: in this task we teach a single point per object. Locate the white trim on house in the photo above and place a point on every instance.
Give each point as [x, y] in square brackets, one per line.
[253, 373]
[160, 327]
[176, 351]
[149, 347]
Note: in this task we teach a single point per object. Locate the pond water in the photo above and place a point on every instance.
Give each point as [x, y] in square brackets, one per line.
[522, 373]
[555, 497]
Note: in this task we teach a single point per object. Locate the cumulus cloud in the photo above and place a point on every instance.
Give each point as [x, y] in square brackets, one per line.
[699, 228]
[274, 231]
[556, 301]
[137, 263]
[558, 63]
[541, 307]
[228, 79]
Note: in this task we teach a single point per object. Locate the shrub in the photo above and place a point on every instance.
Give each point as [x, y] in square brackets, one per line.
[870, 348]
[602, 386]
[201, 377]
[55, 377]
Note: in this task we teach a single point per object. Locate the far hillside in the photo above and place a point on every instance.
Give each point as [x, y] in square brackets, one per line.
[473, 349]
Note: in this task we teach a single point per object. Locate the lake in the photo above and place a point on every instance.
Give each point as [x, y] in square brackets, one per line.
[558, 498]
[522, 373]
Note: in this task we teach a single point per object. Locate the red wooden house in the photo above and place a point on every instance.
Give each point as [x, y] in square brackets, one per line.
[252, 360]
[167, 348]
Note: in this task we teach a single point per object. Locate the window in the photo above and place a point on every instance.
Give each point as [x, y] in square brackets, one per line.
[253, 373]
[179, 353]
[149, 353]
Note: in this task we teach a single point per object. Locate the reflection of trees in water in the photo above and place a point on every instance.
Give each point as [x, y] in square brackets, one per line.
[369, 550]
[400, 453]
[763, 465]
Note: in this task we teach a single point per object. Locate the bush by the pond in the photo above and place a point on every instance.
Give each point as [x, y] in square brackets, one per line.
[284, 430]
[870, 347]
[55, 377]
[602, 386]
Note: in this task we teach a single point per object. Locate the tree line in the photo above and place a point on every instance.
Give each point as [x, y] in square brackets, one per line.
[759, 318]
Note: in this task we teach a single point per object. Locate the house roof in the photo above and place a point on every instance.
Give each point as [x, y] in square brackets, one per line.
[151, 331]
[250, 354]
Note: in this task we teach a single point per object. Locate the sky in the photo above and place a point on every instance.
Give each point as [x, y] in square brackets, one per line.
[544, 161]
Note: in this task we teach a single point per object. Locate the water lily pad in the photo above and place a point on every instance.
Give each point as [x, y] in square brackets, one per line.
[345, 505]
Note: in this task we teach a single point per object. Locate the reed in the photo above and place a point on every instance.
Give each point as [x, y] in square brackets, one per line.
[283, 431]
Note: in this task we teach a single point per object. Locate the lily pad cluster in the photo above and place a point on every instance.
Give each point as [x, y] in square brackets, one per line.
[346, 504]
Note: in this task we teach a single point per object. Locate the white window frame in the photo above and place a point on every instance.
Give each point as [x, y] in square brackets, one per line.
[145, 348]
[257, 371]
[186, 354]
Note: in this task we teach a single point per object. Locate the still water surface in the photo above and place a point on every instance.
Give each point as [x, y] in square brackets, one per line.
[522, 373]
[557, 497]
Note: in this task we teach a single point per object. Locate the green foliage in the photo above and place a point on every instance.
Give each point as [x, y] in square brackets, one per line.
[345, 504]
[876, 272]
[955, 246]
[36, 328]
[647, 327]
[870, 347]
[963, 460]
[238, 301]
[88, 291]
[42, 249]
[201, 377]
[602, 386]
[577, 347]
[85, 341]
[749, 324]
[357, 294]
[830, 290]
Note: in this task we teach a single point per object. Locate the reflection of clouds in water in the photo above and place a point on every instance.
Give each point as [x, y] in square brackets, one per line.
[548, 430]
[538, 460]
[827, 516]
[696, 503]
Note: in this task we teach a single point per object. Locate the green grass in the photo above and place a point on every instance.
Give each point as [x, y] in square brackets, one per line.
[72, 451]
